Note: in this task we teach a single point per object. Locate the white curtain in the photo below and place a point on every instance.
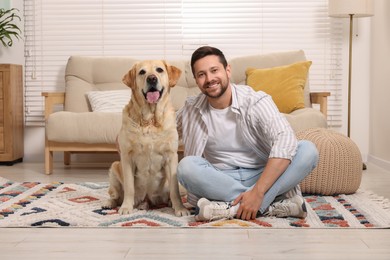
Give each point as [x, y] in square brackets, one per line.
[173, 29]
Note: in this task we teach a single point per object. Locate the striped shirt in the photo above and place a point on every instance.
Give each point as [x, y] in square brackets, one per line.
[263, 127]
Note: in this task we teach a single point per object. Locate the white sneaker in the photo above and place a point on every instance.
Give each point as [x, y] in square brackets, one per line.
[294, 191]
[293, 207]
[214, 210]
[289, 194]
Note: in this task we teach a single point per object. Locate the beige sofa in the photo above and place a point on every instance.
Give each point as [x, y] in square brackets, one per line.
[78, 129]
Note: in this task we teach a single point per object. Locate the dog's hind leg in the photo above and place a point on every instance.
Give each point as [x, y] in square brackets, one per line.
[115, 190]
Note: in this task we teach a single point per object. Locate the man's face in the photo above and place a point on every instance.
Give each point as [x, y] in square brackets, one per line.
[211, 77]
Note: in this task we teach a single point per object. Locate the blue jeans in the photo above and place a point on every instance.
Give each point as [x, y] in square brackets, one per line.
[202, 179]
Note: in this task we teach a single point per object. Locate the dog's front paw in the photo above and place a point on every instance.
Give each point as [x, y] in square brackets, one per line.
[182, 212]
[109, 204]
[123, 210]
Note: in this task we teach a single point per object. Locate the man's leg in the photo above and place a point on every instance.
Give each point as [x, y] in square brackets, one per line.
[202, 179]
[293, 206]
[303, 163]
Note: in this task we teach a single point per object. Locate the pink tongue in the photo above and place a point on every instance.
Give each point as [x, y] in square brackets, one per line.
[152, 97]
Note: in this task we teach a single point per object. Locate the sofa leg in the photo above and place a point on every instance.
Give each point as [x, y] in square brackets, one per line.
[48, 161]
[67, 158]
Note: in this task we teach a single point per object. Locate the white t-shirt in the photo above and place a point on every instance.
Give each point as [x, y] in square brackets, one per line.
[225, 147]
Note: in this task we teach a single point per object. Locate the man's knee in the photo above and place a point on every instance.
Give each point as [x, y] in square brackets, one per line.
[184, 168]
[309, 152]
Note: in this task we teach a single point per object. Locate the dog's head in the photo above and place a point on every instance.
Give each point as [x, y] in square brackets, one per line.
[152, 79]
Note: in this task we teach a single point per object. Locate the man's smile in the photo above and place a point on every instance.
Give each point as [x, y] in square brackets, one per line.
[212, 85]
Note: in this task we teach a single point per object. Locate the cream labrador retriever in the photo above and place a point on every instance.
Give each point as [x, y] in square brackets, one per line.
[148, 142]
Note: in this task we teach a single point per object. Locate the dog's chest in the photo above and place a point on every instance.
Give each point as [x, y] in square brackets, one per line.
[150, 151]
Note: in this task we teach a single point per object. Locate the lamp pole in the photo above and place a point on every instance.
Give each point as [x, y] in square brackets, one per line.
[350, 73]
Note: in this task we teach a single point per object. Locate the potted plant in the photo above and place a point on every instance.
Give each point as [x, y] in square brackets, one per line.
[8, 28]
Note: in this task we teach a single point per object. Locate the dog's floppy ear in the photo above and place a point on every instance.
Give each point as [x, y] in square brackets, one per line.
[173, 74]
[129, 77]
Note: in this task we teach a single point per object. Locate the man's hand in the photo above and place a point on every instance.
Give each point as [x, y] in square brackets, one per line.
[250, 203]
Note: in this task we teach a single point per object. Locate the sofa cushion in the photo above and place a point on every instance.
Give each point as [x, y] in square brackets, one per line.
[285, 84]
[305, 118]
[115, 100]
[84, 74]
[94, 128]
[109, 101]
[180, 93]
[241, 64]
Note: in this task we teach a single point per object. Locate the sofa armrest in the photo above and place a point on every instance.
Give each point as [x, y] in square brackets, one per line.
[52, 99]
[320, 98]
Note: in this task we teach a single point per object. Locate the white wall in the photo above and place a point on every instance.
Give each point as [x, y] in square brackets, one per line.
[360, 83]
[34, 136]
[379, 149]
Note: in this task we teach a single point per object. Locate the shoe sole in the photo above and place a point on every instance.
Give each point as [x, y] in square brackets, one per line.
[202, 202]
[303, 206]
[304, 210]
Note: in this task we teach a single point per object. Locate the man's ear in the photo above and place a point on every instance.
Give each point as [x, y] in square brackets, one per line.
[229, 71]
[129, 77]
[173, 74]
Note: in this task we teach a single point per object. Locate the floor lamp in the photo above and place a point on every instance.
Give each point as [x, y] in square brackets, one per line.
[350, 9]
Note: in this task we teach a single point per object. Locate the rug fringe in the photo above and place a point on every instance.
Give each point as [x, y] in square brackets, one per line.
[378, 199]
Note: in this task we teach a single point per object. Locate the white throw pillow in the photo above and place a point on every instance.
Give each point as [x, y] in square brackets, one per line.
[109, 100]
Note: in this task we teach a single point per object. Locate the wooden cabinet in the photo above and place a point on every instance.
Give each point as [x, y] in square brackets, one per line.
[11, 114]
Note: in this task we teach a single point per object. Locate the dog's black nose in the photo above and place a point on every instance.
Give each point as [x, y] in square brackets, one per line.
[151, 79]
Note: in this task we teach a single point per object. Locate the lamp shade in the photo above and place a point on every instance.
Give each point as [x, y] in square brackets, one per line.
[344, 8]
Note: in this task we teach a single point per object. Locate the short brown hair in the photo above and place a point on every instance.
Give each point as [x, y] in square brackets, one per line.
[204, 51]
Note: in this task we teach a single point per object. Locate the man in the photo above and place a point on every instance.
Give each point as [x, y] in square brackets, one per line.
[242, 157]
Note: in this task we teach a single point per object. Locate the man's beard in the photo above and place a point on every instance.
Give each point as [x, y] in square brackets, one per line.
[223, 89]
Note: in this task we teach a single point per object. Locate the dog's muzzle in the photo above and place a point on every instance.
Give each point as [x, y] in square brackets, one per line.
[153, 94]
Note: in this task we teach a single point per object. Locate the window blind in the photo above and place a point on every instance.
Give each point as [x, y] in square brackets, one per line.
[173, 29]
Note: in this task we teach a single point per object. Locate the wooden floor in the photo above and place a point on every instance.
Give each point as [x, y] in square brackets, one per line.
[112, 243]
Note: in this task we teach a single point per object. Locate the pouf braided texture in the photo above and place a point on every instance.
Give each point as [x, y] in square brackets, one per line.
[339, 169]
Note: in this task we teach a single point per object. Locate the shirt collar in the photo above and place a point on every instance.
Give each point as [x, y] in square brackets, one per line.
[235, 103]
[202, 103]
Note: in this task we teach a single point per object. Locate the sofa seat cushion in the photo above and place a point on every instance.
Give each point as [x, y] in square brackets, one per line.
[88, 127]
[103, 127]
[305, 118]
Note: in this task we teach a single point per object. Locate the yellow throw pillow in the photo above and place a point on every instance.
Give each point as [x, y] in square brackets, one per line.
[285, 84]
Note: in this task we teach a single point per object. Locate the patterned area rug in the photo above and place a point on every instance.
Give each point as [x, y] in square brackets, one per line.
[34, 204]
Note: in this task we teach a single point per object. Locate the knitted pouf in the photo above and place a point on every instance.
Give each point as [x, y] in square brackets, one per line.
[339, 168]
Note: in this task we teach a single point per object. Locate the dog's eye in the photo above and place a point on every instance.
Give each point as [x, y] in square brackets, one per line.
[142, 72]
[159, 70]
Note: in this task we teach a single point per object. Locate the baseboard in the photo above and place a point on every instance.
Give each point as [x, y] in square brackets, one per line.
[364, 157]
[379, 162]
